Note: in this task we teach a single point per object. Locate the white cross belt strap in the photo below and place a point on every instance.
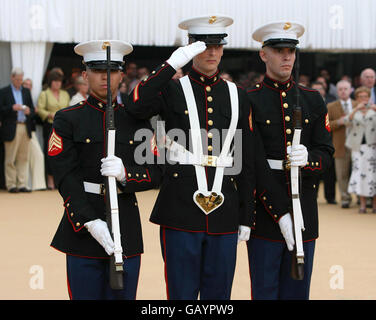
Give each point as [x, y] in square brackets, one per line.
[207, 200]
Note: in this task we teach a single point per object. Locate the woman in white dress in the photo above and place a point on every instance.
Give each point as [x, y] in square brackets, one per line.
[361, 139]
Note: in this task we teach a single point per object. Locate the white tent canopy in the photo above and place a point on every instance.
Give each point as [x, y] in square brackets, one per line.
[330, 24]
[31, 26]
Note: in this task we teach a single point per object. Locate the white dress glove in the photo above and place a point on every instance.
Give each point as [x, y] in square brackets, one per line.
[285, 224]
[181, 56]
[244, 233]
[112, 166]
[298, 155]
[99, 230]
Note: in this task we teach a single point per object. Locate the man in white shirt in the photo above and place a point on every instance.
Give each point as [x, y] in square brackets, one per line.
[338, 110]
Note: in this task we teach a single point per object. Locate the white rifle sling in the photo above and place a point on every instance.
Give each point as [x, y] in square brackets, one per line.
[118, 251]
[297, 210]
[207, 200]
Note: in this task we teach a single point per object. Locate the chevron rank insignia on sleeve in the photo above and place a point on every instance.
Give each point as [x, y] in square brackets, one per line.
[55, 144]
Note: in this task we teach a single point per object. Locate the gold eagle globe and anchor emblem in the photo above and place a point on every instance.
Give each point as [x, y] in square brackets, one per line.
[212, 19]
[287, 26]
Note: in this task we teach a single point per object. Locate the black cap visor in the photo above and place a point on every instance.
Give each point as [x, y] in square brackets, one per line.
[281, 43]
[102, 65]
[209, 38]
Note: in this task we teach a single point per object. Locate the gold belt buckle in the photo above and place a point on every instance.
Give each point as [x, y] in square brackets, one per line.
[286, 164]
[102, 189]
[210, 161]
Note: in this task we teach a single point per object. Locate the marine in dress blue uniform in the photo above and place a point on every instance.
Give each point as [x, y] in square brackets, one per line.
[272, 103]
[199, 249]
[76, 152]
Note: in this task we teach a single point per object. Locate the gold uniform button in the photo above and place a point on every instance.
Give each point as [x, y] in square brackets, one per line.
[287, 118]
[275, 216]
[202, 79]
[137, 175]
[210, 148]
[208, 89]
[186, 111]
[257, 86]
[210, 110]
[267, 121]
[88, 140]
[285, 105]
[215, 79]
[276, 84]
[68, 205]
[78, 224]
[210, 135]
[163, 65]
[288, 85]
[210, 122]
[270, 207]
[306, 121]
[317, 164]
[129, 175]
[210, 99]
[314, 186]
[144, 175]
[153, 72]
[175, 175]
[72, 214]
[288, 143]
[130, 141]
[288, 131]
[264, 198]
[283, 94]
[100, 105]
[81, 103]
[136, 204]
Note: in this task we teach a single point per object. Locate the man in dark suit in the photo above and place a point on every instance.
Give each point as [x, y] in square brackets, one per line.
[17, 111]
[329, 177]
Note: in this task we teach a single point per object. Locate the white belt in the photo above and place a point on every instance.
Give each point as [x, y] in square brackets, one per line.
[97, 188]
[276, 164]
[181, 155]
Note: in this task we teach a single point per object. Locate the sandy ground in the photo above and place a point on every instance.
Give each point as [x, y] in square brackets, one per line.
[344, 266]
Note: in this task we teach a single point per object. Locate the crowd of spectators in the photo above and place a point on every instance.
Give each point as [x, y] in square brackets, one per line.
[351, 110]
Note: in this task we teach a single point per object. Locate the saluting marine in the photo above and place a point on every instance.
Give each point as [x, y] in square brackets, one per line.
[198, 208]
[273, 102]
[76, 151]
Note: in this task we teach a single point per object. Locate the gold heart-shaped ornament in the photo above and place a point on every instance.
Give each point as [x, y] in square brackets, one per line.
[208, 202]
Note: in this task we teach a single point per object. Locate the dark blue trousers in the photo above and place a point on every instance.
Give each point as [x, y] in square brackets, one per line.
[88, 279]
[198, 263]
[270, 266]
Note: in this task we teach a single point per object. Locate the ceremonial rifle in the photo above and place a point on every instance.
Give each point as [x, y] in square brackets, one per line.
[112, 208]
[297, 265]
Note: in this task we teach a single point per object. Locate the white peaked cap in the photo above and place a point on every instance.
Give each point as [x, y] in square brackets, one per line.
[281, 30]
[95, 50]
[209, 24]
